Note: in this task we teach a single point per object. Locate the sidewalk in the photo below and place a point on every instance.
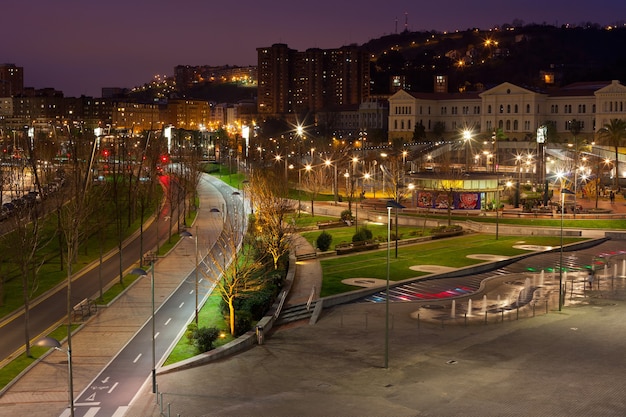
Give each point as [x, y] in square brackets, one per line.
[335, 367]
[42, 391]
[567, 363]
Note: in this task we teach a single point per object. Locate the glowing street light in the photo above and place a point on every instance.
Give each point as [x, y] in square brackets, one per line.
[329, 163]
[151, 258]
[390, 204]
[467, 137]
[185, 233]
[54, 343]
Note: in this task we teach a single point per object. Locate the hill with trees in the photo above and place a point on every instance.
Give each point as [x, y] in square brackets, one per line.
[476, 59]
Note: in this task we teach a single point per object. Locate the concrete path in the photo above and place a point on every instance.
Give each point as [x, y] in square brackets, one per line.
[567, 363]
[42, 391]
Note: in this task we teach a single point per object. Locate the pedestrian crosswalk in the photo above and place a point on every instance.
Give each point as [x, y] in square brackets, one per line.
[94, 412]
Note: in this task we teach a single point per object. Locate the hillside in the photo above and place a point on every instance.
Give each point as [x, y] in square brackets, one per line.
[476, 59]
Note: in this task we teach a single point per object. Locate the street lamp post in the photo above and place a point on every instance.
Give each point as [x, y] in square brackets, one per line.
[54, 343]
[278, 158]
[467, 137]
[563, 192]
[188, 234]
[390, 204]
[328, 163]
[151, 258]
[355, 182]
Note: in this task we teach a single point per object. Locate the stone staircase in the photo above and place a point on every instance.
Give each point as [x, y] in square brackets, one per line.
[296, 313]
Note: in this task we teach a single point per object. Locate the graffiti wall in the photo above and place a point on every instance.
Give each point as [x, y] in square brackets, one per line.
[439, 200]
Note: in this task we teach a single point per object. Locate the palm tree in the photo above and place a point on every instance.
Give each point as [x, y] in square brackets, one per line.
[613, 133]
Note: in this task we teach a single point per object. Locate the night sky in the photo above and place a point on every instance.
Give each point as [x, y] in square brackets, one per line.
[80, 46]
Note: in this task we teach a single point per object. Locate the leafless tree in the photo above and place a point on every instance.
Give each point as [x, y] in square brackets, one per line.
[271, 209]
[314, 181]
[24, 244]
[237, 277]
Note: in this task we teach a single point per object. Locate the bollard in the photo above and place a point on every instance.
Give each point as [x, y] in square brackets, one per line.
[418, 322]
[546, 306]
[517, 312]
[259, 335]
[534, 304]
[465, 319]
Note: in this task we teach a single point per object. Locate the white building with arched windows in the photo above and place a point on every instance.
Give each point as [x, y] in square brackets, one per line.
[515, 111]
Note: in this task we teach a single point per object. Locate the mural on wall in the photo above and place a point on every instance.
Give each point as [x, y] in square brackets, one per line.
[424, 199]
[467, 201]
[461, 201]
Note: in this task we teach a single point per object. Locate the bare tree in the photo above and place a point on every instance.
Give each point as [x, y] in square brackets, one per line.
[238, 277]
[24, 243]
[271, 209]
[314, 181]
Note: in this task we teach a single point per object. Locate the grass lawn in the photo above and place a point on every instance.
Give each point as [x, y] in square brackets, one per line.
[578, 223]
[446, 252]
[344, 234]
[17, 365]
[208, 316]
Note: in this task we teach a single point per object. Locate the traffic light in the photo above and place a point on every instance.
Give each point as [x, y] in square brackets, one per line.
[164, 159]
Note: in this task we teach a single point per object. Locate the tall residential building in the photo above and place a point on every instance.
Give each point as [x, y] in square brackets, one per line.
[290, 81]
[11, 80]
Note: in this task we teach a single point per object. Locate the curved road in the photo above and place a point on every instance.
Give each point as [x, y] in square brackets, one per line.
[50, 309]
[111, 392]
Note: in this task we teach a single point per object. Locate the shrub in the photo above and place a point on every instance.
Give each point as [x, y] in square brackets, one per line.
[204, 338]
[190, 333]
[362, 235]
[346, 215]
[324, 240]
[243, 322]
[444, 229]
[256, 304]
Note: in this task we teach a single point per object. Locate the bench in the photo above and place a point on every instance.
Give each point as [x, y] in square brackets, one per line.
[305, 256]
[345, 248]
[331, 224]
[85, 308]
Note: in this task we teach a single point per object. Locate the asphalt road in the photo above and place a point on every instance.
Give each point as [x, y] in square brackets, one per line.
[112, 391]
[51, 308]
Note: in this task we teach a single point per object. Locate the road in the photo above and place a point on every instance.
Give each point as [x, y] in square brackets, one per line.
[111, 392]
[51, 308]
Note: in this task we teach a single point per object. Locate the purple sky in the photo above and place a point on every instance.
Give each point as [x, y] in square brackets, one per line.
[80, 46]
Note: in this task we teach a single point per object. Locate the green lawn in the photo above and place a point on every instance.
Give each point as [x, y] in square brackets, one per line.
[208, 316]
[446, 252]
[17, 365]
[379, 232]
[578, 223]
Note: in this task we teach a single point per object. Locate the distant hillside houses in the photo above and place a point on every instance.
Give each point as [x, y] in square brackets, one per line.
[513, 111]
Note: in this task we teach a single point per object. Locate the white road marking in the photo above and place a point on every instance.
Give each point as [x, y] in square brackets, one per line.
[137, 358]
[92, 411]
[120, 411]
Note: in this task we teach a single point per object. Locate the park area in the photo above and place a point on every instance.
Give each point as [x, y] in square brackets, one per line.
[456, 252]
